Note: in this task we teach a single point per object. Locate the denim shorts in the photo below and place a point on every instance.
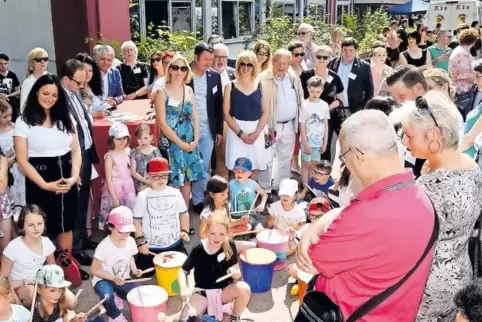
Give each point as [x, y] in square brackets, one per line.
[315, 154]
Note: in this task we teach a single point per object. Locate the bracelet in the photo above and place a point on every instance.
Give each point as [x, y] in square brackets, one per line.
[239, 133]
[140, 241]
[184, 231]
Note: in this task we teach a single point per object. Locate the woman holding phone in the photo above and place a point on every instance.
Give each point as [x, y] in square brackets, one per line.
[48, 152]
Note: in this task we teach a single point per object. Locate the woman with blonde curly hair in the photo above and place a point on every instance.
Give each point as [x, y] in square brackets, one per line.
[37, 60]
[263, 54]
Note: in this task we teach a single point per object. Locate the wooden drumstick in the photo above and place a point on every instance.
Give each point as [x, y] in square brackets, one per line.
[89, 312]
[253, 204]
[247, 232]
[147, 270]
[79, 292]
[139, 280]
[225, 277]
[32, 307]
[307, 186]
[153, 254]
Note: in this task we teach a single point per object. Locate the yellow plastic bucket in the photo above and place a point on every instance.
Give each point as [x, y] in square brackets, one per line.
[167, 266]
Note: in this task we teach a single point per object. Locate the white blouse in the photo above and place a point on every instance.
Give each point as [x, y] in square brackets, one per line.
[43, 141]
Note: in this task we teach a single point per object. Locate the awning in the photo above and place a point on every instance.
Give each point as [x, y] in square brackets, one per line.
[414, 6]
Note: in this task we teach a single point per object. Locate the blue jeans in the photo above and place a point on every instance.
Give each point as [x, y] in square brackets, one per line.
[206, 145]
[105, 288]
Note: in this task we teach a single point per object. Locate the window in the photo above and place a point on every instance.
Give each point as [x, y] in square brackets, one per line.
[177, 14]
[237, 18]
[181, 16]
[341, 9]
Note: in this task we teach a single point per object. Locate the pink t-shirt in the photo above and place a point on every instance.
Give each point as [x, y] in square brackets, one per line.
[374, 242]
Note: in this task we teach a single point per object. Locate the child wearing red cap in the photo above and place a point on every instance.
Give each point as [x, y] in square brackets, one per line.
[160, 215]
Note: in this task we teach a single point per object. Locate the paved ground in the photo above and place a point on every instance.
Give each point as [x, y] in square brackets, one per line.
[274, 306]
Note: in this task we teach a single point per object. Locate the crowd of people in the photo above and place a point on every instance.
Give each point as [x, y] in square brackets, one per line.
[390, 142]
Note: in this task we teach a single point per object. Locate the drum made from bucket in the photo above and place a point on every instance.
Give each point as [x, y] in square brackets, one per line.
[146, 302]
[276, 242]
[303, 280]
[167, 266]
[257, 266]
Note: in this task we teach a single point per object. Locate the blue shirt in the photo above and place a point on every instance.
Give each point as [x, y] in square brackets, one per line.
[344, 71]
[242, 196]
[318, 188]
[200, 95]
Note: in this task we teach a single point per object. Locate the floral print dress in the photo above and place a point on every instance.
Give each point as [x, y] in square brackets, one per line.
[457, 197]
[17, 190]
[141, 163]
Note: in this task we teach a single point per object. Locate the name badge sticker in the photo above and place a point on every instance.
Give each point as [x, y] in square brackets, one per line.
[215, 89]
[137, 70]
[329, 79]
[221, 257]
[352, 76]
[173, 102]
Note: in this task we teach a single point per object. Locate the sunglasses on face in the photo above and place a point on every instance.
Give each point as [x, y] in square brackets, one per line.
[182, 68]
[40, 59]
[322, 57]
[248, 65]
[298, 54]
[422, 104]
[157, 59]
[302, 33]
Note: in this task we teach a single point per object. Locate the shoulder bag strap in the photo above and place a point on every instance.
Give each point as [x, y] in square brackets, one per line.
[182, 107]
[378, 299]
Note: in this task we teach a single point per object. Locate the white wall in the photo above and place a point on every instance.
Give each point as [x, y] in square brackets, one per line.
[24, 25]
[234, 47]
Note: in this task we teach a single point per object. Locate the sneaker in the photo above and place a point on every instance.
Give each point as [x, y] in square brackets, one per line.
[119, 303]
[120, 318]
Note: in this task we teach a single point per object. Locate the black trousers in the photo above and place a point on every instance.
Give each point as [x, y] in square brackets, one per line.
[80, 232]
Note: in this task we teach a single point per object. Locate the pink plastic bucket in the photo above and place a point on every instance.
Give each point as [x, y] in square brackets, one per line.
[146, 302]
[275, 242]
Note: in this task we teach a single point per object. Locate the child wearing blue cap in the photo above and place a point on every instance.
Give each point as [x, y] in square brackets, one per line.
[243, 193]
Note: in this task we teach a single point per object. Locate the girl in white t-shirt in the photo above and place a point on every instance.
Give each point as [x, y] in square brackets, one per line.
[314, 116]
[114, 262]
[10, 312]
[26, 254]
[285, 215]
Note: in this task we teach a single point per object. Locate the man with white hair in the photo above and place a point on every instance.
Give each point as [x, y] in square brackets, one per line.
[305, 35]
[116, 61]
[134, 74]
[381, 236]
[221, 54]
[285, 96]
[111, 77]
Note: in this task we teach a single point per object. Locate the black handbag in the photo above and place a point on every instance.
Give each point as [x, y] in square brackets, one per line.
[464, 102]
[164, 142]
[318, 307]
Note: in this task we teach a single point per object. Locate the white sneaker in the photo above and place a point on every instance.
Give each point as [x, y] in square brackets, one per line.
[119, 303]
[120, 318]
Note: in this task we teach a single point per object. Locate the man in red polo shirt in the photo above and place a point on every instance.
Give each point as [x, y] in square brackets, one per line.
[376, 240]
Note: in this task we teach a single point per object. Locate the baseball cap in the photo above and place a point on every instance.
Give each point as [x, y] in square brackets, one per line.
[51, 275]
[121, 218]
[319, 204]
[158, 165]
[243, 164]
[288, 187]
[119, 130]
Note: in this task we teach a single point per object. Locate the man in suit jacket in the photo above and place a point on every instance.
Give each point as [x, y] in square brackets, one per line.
[356, 76]
[72, 76]
[228, 74]
[208, 93]
[111, 77]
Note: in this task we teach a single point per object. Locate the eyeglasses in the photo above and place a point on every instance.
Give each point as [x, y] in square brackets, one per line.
[341, 157]
[322, 57]
[298, 54]
[220, 57]
[422, 104]
[158, 59]
[77, 82]
[302, 33]
[478, 76]
[248, 65]
[319, 173]
[160, 177]
[40, 59]
[262, 54]
[182, 68]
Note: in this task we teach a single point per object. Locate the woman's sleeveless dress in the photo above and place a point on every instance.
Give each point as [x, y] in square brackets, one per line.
[184, 166]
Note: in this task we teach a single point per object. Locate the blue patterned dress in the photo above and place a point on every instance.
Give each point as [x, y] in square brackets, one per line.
[184, 166]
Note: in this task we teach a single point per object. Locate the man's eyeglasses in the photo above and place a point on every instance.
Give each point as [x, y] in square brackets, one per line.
[40, 59]
[182, 68]
[302, 33]
[298, 54]
[342, 155]
[422, 104]
[319, 173]
[77, 82]
[220, 57]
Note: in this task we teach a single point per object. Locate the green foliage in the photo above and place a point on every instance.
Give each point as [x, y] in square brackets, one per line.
[280, 29]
